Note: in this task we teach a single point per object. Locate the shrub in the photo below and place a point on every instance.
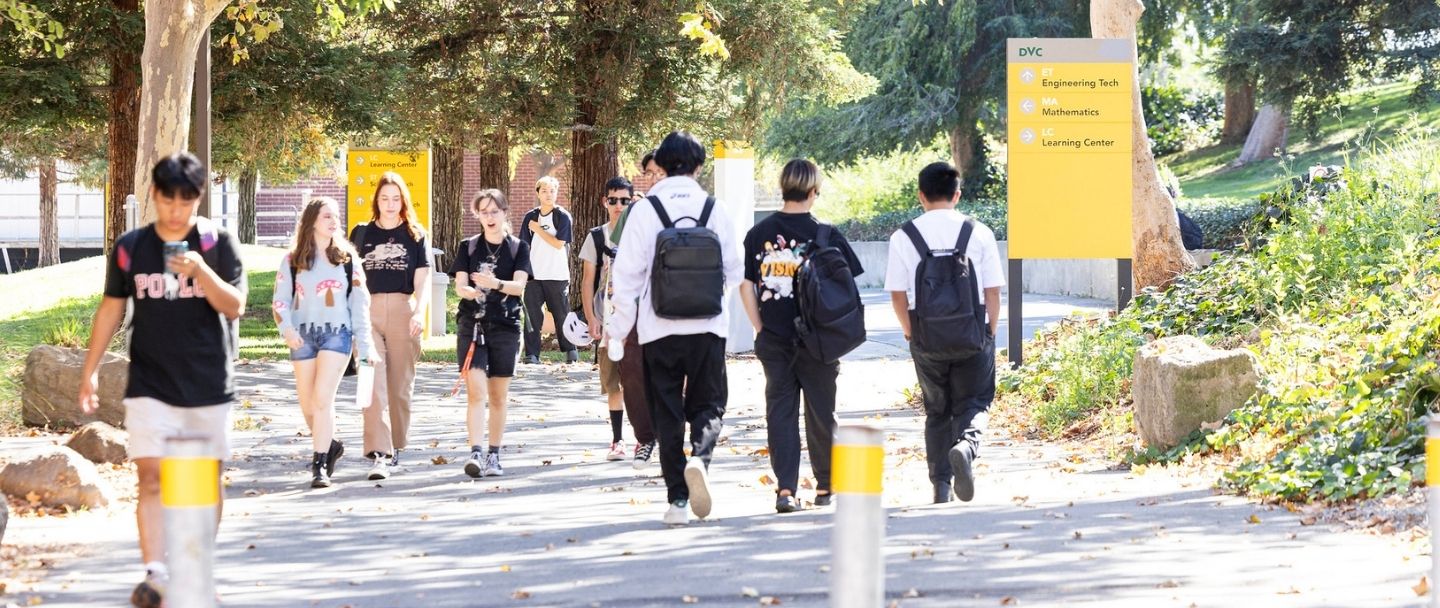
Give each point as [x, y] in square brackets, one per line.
[1177, 119]
[1224, 220]
[880, 226]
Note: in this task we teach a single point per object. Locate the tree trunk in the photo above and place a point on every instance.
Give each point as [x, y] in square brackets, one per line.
[1267, 136]
[173, 29]
[495, 162]
[447, 172]
[964, 148]
[1239, 112]
[1160, 254]
[592, 163]
[49, 213]
[249, 183]
[123, 127]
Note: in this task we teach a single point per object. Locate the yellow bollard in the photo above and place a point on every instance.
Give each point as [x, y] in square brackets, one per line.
[190, 494]
[1432, 498]
[857, 575]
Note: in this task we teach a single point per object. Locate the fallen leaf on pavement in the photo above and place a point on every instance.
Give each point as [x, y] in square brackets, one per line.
[1170, 584]
[505, 567]
[1423, 587]
[749, 592]
[689, 599]
[424, 517]
[520, 594]
[1008, 601]
[765, 480]
[911, 593]
[1307, 521]
[770, 601]
[439, 460]
[1254, 519]
[434, 443]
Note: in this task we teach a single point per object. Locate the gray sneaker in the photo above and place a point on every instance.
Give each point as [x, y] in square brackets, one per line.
[475, 465]
[492, 465]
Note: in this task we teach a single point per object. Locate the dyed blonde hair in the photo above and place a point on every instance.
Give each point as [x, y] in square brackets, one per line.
[798, 179]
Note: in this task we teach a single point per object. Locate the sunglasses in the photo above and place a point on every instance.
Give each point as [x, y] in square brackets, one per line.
[616, 200]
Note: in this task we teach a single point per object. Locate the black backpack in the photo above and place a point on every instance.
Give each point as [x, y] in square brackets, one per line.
[209, 237]
[597, 236]
[948, 321]
[832, 318]
[687, 279]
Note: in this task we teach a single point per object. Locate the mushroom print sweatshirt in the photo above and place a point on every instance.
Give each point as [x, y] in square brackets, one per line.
[315, 302]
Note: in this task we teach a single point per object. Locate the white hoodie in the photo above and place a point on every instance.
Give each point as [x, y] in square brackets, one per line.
[682, 196]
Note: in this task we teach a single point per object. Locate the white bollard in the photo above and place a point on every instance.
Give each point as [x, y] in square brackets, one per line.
[190, 493]
[857, 575]
[1432, 498]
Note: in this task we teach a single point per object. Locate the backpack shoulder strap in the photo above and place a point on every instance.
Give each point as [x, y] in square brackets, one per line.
[471, 244]
[963, 242]
[822, 236]
[916, 239]
[597, 236]
[349, 276]
[294, 284]
[705, 213]
[660, 211]
[514, 244]
[126, 245]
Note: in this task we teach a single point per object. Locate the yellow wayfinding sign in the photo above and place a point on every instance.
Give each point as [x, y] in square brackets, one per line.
[364, 168]
[1070, 140]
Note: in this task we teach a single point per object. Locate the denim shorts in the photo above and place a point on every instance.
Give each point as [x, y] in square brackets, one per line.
[316, 338]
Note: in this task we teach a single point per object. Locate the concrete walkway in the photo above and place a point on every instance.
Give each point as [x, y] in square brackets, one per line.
[566, 528]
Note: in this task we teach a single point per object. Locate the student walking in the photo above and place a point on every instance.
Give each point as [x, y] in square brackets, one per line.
[395, 253]
[491, 270]
[322, 308]
[944, 277]
[686, 237]
[774, 252]
[547, 229]
[184, 276]
[598, 255]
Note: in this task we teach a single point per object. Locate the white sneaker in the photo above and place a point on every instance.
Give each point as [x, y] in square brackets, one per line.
[475, 465]
[696, 480]
[676, 515]
[617, 451]
[380, 468]
[492, 465]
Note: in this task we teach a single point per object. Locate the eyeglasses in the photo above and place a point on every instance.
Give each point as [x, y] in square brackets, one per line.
[492, 213]
[617, 200]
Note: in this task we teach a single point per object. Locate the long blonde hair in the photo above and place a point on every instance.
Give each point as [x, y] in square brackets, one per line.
[302, 251]
[407, 209]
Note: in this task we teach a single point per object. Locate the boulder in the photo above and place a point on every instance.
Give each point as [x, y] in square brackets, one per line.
[58, 476]
[100, 443]
[52, 388]
[1181, 383]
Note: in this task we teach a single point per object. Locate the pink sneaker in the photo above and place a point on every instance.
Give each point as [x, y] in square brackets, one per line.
[617, 451]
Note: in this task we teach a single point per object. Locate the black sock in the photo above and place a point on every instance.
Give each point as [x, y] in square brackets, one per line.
[476, 448]
[494, 449]
[615, 417]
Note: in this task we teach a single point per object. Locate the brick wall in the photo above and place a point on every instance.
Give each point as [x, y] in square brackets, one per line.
[278, 206]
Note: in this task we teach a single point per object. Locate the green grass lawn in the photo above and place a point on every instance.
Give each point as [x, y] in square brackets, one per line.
[1371, 116]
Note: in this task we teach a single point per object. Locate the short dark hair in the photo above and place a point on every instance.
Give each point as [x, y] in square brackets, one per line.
[939, 181]
[179, 175]
[619, 183]
[645, 160]
[680, 154]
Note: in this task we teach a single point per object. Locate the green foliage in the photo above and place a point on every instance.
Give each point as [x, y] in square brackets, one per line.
[1075, 369]
[32, 26]
[1223, 220]
[70, 331]
[1177, 119]
[1342, 305]
[904, 207]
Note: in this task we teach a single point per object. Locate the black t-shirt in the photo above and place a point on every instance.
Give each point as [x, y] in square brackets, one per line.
[390, 257]
[179, 344]
[774, 249]
[500, 309]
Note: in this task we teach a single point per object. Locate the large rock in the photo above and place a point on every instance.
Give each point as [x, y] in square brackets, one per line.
[1181, 383]
[52, 388]
[99, 443]
[58, 476]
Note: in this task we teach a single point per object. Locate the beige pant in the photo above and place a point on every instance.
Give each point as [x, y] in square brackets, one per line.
[387, 420]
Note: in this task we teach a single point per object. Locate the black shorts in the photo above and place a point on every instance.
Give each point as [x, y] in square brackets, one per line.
[495, 352]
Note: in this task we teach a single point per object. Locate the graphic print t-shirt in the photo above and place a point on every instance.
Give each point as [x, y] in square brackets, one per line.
[500, 309]
[390, 258]
[179, 344]
[774, 249]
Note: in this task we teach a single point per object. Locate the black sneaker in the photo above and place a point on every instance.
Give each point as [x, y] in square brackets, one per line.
[319, 468]
[942, 493]
[572, 356]
[961, 455]
[786, 504]
[531, 360]
[643, 451]
[824, 500]
[337, 450]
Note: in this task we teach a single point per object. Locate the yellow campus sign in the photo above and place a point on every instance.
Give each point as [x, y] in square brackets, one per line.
[364, 168]
[1070, 148]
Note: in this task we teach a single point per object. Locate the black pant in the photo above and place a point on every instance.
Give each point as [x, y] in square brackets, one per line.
[685, 382]
[956, 393]
[555, 295]
[789, 370]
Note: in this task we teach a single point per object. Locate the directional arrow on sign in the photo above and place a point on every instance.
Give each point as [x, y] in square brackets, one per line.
[1027, 106]
[1027, 75]
[1027, 136]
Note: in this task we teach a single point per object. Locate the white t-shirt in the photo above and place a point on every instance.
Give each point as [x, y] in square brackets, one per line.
[587, 249]
[941, 228]
[551, 263]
